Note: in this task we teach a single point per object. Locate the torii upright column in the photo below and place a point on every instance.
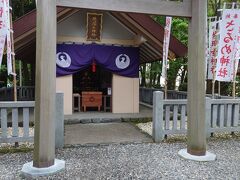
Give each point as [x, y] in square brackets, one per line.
[44, 149]
[196, 145]
[44, 162]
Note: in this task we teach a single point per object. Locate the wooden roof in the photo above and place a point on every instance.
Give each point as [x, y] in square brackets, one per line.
[144, 25]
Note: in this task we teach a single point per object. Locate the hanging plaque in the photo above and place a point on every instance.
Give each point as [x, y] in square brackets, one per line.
[94, 26]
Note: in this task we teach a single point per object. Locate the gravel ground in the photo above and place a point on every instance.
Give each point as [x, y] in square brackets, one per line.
[145, 127]
[136, 161]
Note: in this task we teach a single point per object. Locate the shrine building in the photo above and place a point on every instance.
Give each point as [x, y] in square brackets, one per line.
[98, 56]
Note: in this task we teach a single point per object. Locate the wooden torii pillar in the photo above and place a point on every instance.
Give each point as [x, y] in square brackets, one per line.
[44, 162]
[196, 134]
[195, 10]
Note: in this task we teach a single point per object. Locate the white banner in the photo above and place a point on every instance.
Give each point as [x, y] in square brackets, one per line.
[167, 33]
[3, 30]
[212, 52]
[9, 45]
[229, 27]
[237, 50]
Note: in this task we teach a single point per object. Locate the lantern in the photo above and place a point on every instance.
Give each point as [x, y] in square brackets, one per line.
[93, 67]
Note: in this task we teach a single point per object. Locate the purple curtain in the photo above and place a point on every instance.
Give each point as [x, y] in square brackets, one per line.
[72, 58]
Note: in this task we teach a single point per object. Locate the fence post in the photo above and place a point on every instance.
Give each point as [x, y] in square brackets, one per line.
[59, 130]
[208, 116]
[157, 130]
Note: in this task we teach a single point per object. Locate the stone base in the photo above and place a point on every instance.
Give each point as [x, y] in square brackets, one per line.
[28, 171]
[208, 157]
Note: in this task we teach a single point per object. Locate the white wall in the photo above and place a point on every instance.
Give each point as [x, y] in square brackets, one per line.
[64, 84]
[125, 94]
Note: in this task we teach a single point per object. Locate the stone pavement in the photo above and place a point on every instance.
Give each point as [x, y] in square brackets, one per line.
[103, 117]
[104, 133]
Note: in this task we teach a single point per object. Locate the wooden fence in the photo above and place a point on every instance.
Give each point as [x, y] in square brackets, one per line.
[170, 116]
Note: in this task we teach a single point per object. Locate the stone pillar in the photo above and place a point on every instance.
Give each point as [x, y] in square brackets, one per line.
[196, 145]
[59, 131]
[44, 162]
[157, 130]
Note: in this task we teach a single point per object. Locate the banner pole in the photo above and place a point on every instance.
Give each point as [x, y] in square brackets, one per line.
[13, 54]
[20, 73]
[219, 88]
[166, 83]
[213, 89]
[166, 79]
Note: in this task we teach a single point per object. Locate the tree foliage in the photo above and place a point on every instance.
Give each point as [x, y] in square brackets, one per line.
[153, 73]
[180, 31]
[21, 7]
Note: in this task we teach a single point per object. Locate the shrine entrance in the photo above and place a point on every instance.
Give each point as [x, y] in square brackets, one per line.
[92, 89]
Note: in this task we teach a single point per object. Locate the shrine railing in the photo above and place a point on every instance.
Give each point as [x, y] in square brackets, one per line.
[17, 118]
[146, 95]
[170, 116]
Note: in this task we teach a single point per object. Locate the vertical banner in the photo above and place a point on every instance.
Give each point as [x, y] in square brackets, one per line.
[207, 48]
[167, 32]
[237, 49]
[3, 30]
[229, 27]
[212, 53]
[9, 45]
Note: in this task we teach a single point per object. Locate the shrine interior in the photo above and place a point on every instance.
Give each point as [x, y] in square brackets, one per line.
[94, 79]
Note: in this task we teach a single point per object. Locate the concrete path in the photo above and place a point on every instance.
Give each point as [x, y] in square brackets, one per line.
[104, 133]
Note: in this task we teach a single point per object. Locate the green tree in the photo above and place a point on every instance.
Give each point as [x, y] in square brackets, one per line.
[21, 7]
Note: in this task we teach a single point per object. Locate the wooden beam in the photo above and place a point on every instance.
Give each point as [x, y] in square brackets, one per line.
[150, 58]
[138, 30]
[158, 7]
[155, 42]
[61, 39]
[150, 53]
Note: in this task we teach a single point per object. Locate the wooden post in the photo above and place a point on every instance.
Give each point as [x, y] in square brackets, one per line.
[196, 79]
[219, 88]
[166, 85]
[44, 136]
[13, 55]
[20, 73]
[213, 89]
